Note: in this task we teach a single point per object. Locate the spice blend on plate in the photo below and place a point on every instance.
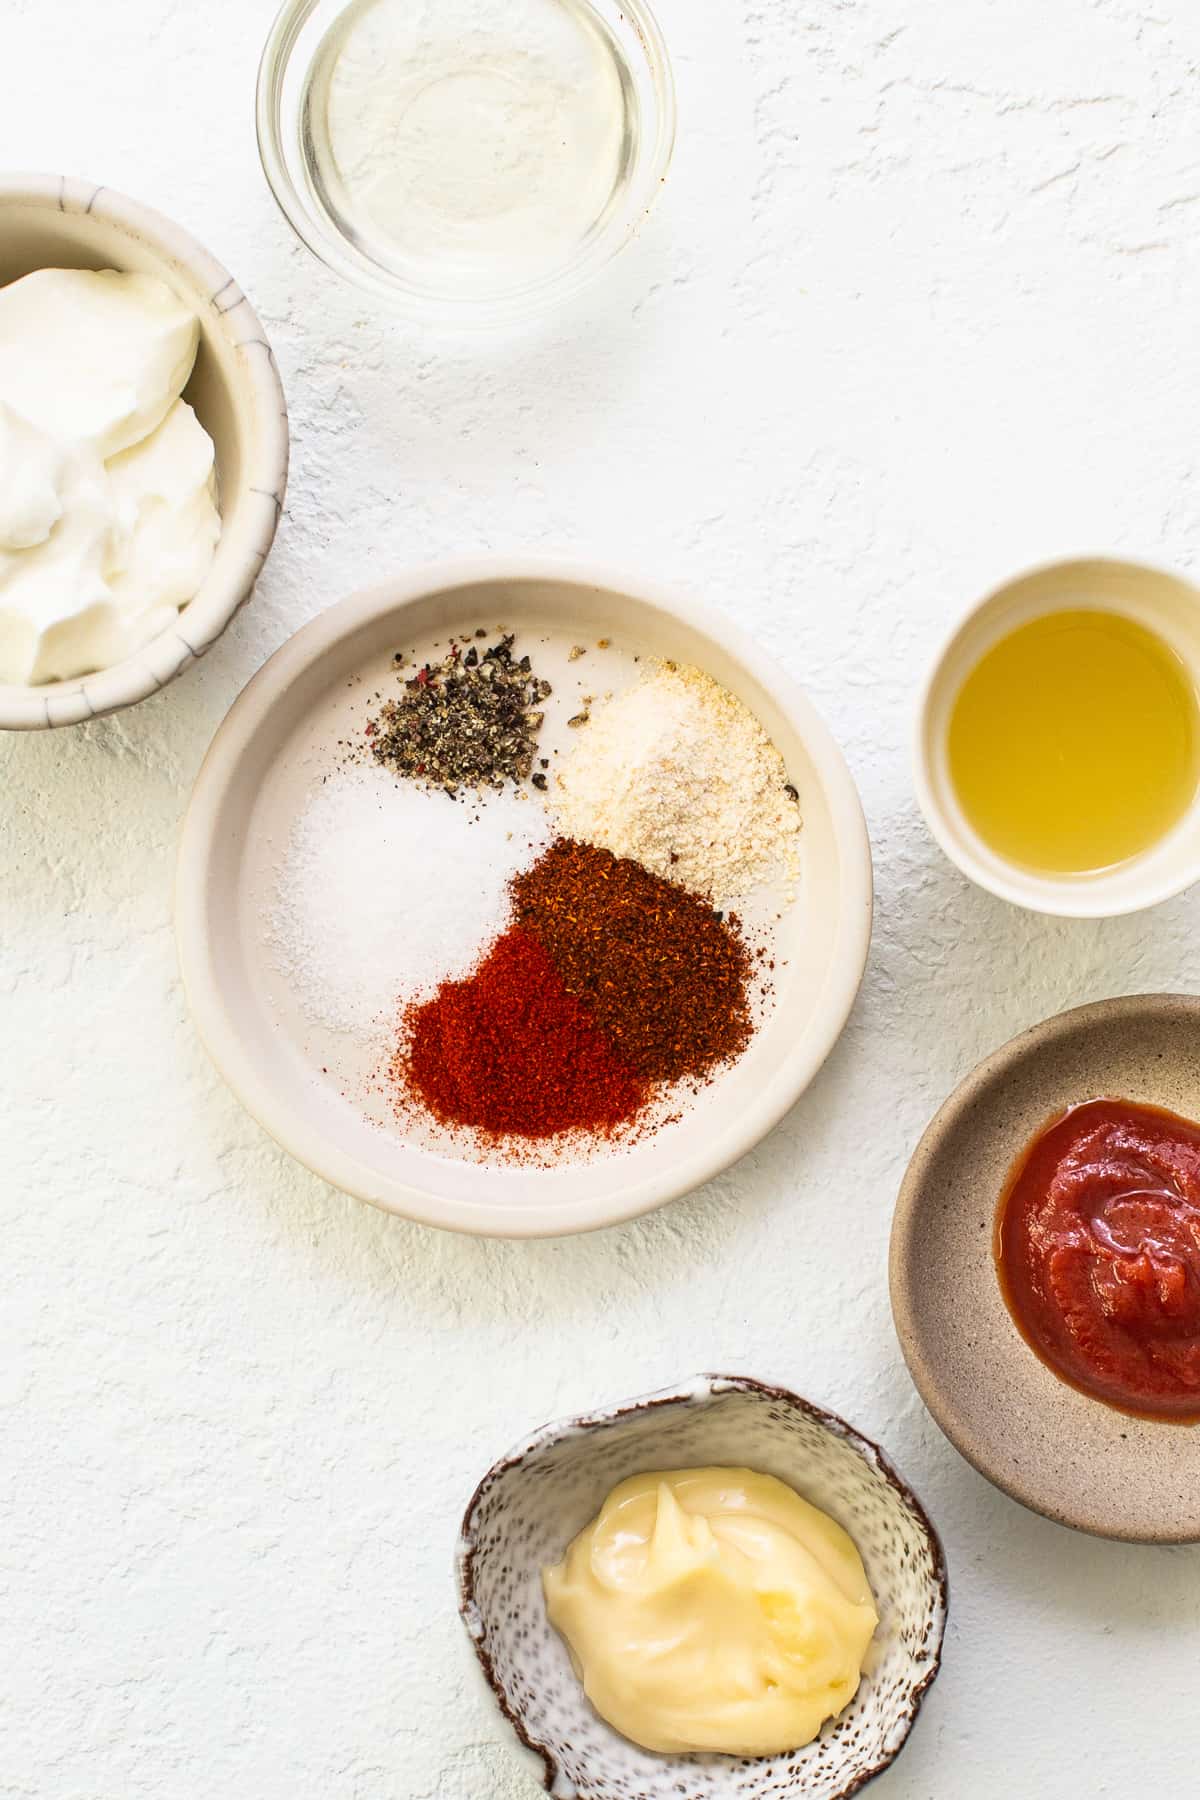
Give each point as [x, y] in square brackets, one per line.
[609, 984]
[514, 985]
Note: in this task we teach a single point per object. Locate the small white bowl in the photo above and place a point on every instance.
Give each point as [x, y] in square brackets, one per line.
[53, 221]
[531, 1504]
[1165, 604]
[287, 729]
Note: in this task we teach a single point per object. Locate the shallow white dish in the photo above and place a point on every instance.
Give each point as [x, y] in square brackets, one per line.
[531, 1504]
[52, 221]
[278, 740]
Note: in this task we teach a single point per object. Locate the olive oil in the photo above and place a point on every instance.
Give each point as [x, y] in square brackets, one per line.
[1074, 742]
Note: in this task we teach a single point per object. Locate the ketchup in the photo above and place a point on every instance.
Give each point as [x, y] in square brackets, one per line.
[1098, 1253]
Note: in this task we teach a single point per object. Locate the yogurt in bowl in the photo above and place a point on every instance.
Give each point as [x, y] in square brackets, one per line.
[52, 223]
[108, 493]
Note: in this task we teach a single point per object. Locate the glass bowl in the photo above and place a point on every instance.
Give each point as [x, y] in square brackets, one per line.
[471, 162]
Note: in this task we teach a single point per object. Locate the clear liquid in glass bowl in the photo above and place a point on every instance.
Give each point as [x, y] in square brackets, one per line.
[468, 145]
[475, 151]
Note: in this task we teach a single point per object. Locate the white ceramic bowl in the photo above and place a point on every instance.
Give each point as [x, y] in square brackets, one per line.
[1167, 605]
[531, 1504]
[285, 732]
[52, 221]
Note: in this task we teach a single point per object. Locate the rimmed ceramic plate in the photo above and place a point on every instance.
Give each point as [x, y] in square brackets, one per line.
[280, 739]
[1054, 1449]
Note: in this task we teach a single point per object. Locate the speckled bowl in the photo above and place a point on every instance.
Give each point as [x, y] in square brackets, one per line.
[1056, 1450]
[52, 221]
[534, 1501]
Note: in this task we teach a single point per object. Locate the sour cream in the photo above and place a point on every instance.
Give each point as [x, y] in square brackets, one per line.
[713, 1610]
[108, 503]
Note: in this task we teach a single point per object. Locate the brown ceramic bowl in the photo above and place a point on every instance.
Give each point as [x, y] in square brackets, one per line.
[1054, 1449]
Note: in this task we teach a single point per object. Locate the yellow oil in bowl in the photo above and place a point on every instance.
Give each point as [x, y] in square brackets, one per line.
[1074, 743]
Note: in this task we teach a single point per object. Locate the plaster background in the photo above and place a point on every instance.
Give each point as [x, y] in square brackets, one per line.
[919, 308]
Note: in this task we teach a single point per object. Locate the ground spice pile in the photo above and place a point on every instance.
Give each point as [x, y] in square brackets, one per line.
[664, 977]
[678, 774]
[510, 1052]
[471, 720]
[609, 982]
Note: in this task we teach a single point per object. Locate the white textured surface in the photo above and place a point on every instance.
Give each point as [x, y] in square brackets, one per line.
[919, 308]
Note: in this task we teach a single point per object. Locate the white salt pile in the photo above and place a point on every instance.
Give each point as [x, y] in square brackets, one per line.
[387, 888]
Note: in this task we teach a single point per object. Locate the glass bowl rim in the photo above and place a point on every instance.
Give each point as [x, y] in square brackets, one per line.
[513, 306]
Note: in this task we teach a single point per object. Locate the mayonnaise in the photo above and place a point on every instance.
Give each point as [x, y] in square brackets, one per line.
[108, 516]
[713, 1610]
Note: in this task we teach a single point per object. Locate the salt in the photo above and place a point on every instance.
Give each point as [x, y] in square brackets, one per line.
[387, 888]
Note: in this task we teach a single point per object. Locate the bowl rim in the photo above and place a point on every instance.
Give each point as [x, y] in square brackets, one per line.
[444, 312]
[699, 1390]
[626, 1200]
[1048, 894]
[264, 450]
[968, 1093]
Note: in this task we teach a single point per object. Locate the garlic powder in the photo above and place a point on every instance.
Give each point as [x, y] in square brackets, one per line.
[676, 773]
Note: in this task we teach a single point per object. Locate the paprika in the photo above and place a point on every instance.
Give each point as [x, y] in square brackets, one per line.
[509, 1051]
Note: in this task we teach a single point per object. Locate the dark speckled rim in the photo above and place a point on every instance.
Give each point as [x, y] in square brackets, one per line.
[701, 1390]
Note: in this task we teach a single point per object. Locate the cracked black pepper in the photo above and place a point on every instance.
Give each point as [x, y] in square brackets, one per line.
[470, 721]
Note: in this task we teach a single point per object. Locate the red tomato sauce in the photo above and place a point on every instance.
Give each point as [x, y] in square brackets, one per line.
[1098, 1254]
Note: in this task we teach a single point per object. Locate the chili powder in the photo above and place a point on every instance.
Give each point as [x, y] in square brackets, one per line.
[664, 976]
[509, 1051]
